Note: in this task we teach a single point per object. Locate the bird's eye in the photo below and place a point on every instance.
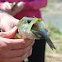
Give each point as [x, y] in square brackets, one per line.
[28, 21]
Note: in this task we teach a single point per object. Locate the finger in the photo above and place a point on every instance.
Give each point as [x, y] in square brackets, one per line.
[13, 6]
[15, 53]
[16, 59]
[20, 58]
[8, 5]
[13, 44]
[19, 8]
[8, 28]
[26, 55]
[5, 6]
[12, 24]
[20, 43]
[29, 53]
[15, 23]
[9, 34]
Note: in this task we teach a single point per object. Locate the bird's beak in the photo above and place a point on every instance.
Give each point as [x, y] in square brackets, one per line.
[43, 34]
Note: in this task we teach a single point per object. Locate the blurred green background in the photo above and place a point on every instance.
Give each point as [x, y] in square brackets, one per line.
[52, 16]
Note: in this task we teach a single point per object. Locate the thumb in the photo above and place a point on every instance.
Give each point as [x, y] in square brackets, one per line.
[9, 34]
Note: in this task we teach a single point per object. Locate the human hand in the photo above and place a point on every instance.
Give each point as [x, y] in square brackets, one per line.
[15, 50]
[7, 22]
[12, 50]
[18, 8]
[7, 7]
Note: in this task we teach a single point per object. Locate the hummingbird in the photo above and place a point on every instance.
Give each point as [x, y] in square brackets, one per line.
[33, 28]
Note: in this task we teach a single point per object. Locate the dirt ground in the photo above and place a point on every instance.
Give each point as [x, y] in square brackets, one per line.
[53, 58]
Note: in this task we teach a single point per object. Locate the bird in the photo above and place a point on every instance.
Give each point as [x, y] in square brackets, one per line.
[33, 28]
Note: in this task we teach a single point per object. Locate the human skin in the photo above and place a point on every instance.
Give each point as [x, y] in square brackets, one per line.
[12, 50]
[30, 7]
[15, 50]
[7, 22]
[7, 7]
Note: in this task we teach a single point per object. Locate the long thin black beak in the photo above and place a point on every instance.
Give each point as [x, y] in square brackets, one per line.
[44, 34]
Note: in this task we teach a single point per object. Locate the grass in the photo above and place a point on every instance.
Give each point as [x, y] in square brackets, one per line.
[54, 0]
[54, 33]
[56, 37]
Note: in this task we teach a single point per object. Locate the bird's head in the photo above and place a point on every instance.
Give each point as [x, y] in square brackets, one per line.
[33, 28]
[29, 27]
